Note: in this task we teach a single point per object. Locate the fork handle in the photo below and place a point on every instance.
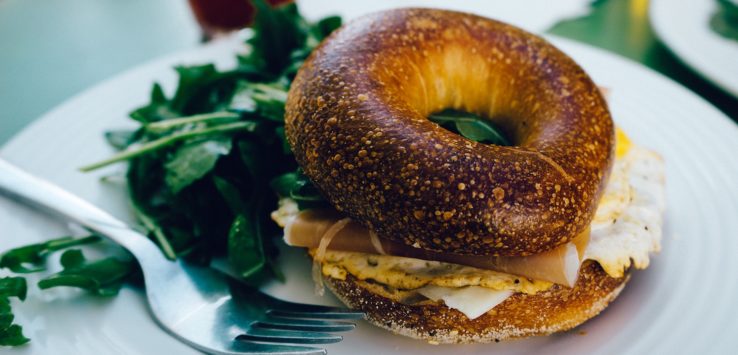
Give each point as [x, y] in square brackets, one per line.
[24, 187]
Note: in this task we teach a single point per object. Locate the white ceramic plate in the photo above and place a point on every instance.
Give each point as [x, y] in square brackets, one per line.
[683, 25]
[684, 303]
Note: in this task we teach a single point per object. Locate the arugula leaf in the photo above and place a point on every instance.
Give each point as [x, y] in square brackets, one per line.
[248, 251]
[121, 139]
[13, 287]
[193, 161]
[278, 31]
[30, 258]
[279, 132]
[470, 126]
[315, 33]
[157, 232]
[245, 248]
[11, 334]
[191, 79]
[187, 122]
[170, 140]
[266, 99]
[297, 186]
[324, 27]
[231, 194]
[157, 110]
[103, 277]
[724, 20]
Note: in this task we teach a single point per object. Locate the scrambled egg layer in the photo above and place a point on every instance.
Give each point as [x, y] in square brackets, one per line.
[626, 226]
[410, 274]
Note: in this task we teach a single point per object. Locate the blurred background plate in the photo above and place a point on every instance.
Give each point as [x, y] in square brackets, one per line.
[532, 15]
[684, 303]
[684, 26]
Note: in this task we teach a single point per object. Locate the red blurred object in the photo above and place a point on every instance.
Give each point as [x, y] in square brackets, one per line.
[218, 17]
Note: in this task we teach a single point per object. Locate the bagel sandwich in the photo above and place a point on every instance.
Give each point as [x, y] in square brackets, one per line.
[439, 237]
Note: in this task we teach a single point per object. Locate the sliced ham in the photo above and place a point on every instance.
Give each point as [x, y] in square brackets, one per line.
[328, 229]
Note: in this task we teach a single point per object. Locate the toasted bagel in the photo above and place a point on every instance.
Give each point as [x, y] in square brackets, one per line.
[356, 119]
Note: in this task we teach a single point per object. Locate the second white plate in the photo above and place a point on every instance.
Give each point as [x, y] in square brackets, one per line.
[684, 26]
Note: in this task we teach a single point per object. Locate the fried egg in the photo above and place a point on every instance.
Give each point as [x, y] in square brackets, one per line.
[625, 230]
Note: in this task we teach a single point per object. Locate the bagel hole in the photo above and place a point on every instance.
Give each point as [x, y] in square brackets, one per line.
[472, 126]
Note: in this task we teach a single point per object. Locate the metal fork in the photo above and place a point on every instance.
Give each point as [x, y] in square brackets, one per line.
[198, 305]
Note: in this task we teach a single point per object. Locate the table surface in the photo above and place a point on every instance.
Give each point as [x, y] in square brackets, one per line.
[51, 50]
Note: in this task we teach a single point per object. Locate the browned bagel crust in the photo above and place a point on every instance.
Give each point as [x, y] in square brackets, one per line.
[558, 309]
[356, 118]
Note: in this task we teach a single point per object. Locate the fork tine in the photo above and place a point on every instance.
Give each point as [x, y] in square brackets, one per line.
[338, 313]
[246, 347]
[304, 324]
[288, 336]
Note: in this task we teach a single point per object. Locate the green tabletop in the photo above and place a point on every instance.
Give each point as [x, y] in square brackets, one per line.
[622, 26]
[51, 50]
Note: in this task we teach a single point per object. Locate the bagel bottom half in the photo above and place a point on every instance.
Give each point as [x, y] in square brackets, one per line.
[556, 309]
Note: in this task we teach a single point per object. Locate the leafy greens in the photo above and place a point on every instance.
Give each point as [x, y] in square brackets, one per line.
[29, 258]
[102, 277]
[11, 334]
[208, 164]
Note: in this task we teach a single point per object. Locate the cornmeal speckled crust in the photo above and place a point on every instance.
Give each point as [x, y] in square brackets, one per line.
[521, 315]
[356, 119]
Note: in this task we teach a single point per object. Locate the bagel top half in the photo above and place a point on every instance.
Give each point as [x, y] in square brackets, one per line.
[356, 118]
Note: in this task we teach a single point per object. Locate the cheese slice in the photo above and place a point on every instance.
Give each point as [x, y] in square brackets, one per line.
[473, 301]
[316, 228]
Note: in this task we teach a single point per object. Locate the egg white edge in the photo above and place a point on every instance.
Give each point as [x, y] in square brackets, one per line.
[636, 231]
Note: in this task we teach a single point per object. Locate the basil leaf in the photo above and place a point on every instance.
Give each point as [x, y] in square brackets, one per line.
[30, 258]
[103, 277]
[481, 131]
[470, 126]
